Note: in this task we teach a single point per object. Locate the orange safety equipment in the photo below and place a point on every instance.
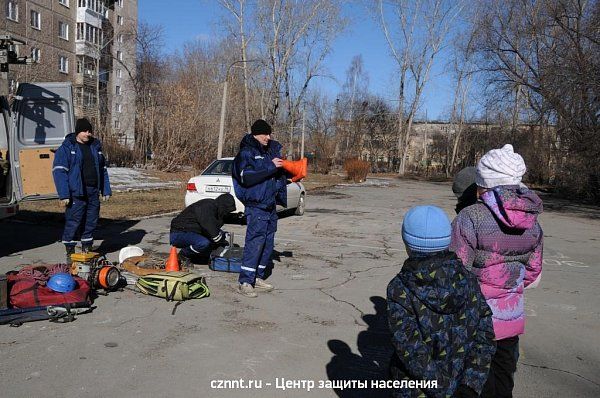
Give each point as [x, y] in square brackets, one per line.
[297, 168]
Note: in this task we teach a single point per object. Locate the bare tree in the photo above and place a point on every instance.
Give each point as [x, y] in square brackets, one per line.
[355, 93]
[295, 38]
[151, 71]
[422, 28]
[464, 69]
[237, 9]
[551, 50]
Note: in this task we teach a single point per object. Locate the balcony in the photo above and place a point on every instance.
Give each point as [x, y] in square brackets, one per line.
[91, 15]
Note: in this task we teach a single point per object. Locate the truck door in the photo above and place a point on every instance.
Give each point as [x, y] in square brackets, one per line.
[42, 116]
[5, 185]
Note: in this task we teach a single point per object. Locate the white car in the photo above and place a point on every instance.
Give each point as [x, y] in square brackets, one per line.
[216, 179]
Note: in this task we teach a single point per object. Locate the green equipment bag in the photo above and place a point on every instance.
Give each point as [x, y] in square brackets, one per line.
[174, 286]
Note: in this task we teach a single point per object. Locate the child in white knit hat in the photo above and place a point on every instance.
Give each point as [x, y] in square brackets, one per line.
[500, 240]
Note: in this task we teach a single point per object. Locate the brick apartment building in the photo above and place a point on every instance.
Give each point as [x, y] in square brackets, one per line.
[90, 43]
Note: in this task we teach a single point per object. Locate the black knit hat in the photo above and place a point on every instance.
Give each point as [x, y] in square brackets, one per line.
[83, 125]
[463, 180]
[260, 127]
[464, 188]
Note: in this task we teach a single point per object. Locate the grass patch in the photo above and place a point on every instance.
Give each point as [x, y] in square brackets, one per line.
[314, 181]
[136, 204]
[121, 206]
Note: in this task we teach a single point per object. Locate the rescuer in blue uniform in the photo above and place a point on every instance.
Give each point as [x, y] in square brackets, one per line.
[260, 184]
[80, 176]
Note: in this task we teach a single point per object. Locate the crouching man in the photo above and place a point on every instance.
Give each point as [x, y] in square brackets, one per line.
[197, 229]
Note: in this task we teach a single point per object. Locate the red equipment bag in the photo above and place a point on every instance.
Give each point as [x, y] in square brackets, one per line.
[26, 292]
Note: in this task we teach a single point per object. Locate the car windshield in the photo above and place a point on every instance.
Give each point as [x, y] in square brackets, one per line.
[219, 168]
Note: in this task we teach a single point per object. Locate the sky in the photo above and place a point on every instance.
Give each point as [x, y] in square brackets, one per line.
[199, 19]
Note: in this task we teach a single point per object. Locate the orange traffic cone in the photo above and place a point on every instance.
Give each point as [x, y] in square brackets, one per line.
[297, 168]
[172, 262]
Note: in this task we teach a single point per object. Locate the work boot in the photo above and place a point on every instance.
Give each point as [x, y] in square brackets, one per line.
[260, 284]
[185, 262]
[246, 289]
[69, 250]
[86, 247]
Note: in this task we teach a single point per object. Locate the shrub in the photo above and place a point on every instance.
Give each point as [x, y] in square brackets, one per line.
[117, 154]
[356, 169]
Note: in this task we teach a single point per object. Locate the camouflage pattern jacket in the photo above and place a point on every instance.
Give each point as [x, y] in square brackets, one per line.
[441, 326]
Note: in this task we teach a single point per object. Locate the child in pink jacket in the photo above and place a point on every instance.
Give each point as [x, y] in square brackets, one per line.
[500, 240]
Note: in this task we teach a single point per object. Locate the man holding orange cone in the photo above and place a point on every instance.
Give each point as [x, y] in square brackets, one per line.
[260, 184]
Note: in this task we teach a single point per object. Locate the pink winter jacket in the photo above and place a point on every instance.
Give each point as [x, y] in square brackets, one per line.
[500, 240]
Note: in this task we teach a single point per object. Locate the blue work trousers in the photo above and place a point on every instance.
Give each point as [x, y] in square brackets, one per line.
[192, 244]
[260, 240]
[81, 218]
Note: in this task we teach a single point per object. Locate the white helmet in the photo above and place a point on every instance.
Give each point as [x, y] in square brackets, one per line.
[129, 251]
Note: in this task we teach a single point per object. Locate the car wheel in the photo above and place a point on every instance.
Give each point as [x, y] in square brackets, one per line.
[301, 204]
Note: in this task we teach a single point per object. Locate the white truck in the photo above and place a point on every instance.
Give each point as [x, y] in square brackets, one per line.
[31, 130]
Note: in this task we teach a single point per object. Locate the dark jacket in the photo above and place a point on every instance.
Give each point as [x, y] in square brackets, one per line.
[256, 180]
[441, 326]
[67, 168]
[205, 217]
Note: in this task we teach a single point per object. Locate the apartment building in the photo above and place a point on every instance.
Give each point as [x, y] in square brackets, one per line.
[47, 27]
[123, 67]
[88, 42]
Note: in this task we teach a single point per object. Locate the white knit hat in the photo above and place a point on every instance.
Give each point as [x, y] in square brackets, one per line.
[500, 167]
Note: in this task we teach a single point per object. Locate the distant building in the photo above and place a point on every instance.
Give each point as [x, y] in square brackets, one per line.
[88, 42]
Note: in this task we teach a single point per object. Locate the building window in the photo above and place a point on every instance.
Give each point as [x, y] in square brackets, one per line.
[120, 38]
[120, 55]
[63, 30]
[119, 108]
[119, 73]
[12, 10]
[118, 90]
[80, 31]
[117, 124]
[64, 2]
[119, 20]
[79, 66]
[92, 34]
[120, 3]
[63, 64]
[35, 20]
[35, 54]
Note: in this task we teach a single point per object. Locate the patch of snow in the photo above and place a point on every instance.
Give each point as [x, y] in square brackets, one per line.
[128, 179]
[370, 182]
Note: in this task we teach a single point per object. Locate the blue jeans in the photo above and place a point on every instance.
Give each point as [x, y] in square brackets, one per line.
[81, 218]
[258, 247]
[192, 245]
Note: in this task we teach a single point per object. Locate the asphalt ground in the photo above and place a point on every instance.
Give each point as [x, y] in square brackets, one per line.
[325, 321]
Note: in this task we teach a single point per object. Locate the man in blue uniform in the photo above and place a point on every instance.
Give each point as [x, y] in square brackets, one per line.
[260, 184]
[80, 176]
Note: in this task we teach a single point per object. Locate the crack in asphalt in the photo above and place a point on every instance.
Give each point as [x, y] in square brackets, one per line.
[561, 370]
[386, 247]
[138, 317]
[378, 267]
[356, 321]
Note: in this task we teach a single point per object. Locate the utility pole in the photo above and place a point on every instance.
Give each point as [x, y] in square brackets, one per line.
[8, 56]
[426, 143]
[303, 131]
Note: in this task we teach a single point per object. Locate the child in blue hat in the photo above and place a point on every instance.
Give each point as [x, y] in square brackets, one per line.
[440, 323]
